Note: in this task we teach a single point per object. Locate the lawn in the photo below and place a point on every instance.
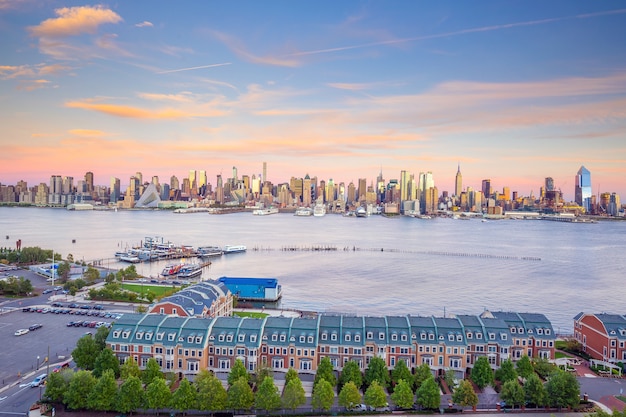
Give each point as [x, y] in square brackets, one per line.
[558, 355]
[250, 314]
[157, 290]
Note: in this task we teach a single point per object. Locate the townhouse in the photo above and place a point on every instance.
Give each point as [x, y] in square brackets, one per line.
[204, 299]
[602, 336]
[187, 344]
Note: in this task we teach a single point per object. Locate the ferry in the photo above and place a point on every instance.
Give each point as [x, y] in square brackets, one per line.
[234, 249]
[319, 210]
[190, 271]
[303, 212]
[171, 269]
[207, 251]
[129, 258]
[265, 211]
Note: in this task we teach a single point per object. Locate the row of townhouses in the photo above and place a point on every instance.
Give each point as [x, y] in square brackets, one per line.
[186, 345]
[602, 336]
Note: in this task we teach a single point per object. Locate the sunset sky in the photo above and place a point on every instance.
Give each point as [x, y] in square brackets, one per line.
[514, 91]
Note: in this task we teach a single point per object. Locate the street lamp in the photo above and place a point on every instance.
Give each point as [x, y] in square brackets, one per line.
[37, 362]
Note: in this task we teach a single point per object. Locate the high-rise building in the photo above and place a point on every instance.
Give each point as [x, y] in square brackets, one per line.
[351, 192]
[296, 186]
[486, 188]
[362, 191]
[458, 182]
[264, 171]
[89, 181]
[174, 183]
[404, 185]
[582, 189]
[219, 190]
[307, 191]
[549, 184]
[114, 193]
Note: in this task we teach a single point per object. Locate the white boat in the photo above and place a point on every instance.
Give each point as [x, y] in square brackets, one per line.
[207, 251]
[234, 249]
[303, 212]
[130, 258]
[189, 271]
[319, 210]
[265, 211]
[171, 269]
[361, 212]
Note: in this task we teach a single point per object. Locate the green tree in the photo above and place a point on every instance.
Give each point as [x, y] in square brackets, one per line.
[293, 394]
[91, 275]
[240, 395]
[525, 367]
[101, 337]
[534, 391]
[513, 393]
[260, 373]
[57, 384]
[377, 371]
[543, 367]
[323, 395]
[130, 395]
[184, 398]
[422, 373]
[325, 371]
[152, 371]
[482, 375]
[63, 271]
[106, 360]
[401, 371]
[267, 397]
[375, 395]
[102, 396]
[563, 389]
[450, 377]
[211, 393]
[428, 394]
[351, 373]
[130, 368]
[291, 374]
[506, 372]
[80, 387]
[403, 394]
[85, 353]
[349, 395]
[238, 371]
[464, 395]
[158, 394]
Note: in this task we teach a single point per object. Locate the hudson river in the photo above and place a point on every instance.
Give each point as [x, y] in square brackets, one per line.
[382, 266]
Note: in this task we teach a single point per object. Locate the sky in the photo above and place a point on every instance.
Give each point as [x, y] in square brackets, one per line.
[513, 91]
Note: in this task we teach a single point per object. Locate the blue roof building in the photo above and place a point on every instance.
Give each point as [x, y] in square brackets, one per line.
[253, 289]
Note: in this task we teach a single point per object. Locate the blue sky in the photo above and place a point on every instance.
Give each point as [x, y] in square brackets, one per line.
[513, 91]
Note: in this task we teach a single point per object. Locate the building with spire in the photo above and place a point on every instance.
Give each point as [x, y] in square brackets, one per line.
[458, 182]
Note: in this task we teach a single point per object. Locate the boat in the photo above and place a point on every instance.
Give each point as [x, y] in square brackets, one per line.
[171, 269]
[361, 212]
[265, 211]
[129, 258]
[207, 251]
[319, 210]
[234, 249]
[190, 271]
[303, 211]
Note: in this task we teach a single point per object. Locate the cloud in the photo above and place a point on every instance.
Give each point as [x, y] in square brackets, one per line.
[12, 71]
[30, 85]
[240, 50]
[144, 24]
[72, 21]
[127, 111]
[194, 68]
[86, 132]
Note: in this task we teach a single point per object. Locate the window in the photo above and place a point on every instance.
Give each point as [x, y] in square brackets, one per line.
[198, 339]
[431, 336]
[492, 336]
[310, 339]
[479, 335]
[423, 336]
[139, 335]
[539, 331]
[547, 331]
[171, 337]
[394, 337]
[348, 337]
[403, 337]
[148, 336]
[459, 338]
[451, 337]
[512, 329]
[324, 336]
[302, 338]
[253, 338]
[503, 336]
[357, 337]
[241, 337]
[229, 337]
[370, 335]
[333, 336]
[274, 337]
[283, 337]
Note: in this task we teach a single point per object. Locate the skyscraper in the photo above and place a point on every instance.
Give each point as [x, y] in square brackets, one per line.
[486, 188]
[582, 189]
[404, 185]
[458, 182]
[114, 195]
[89, 181]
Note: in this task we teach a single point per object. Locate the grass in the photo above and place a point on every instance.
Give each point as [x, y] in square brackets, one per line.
[558, 355]
[157, 290]
[250, 314]
[621, 398]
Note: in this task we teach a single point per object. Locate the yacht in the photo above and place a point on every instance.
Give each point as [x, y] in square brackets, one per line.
[361, 212]
[189, 271]
[319, 210]
[171, 269]
[234, 249]
[265, 211]
[207, 251]
[303, 211]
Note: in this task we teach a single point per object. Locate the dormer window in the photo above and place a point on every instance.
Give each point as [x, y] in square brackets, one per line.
[530, 331]
[479, 335]
[348, 337]
[431, 336]
[229, 337]
[512, 329]
[283, 337]
[310, 339]
[116, 334]
[403, 337]
[253, 338]
[221, 337]
[441, 337]
[413, 336]
[171, 337]
[503, 336]
[540, 331]
[125, 334]
[370, 335]
[139, 335]
[160, 335]
[450, 337]
[423, 336]
[324, 336]
[274, 337]
[333, 336]
[302, 338]
[520, 330]
[190, 338]
[469, 335]
[394, 337]
[547, 331]
[198, 339]
[459, 338]
[241, 338]
[148, 336]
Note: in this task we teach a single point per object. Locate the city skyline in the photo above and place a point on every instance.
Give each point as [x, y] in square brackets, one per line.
[513, 92]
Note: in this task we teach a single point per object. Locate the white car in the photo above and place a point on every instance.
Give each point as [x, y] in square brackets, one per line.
[38, 381]
[20, 332]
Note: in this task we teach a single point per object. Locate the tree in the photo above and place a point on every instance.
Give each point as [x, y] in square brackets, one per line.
[293, 394]
[91, 275]
[80, 387]
[482, 375]
[323, 395]
[428, 394]
[158, 394]
[152, 371]
[240, 395]
[102, 396]
[543, 367]
[351, 373]
[57, 384]
[260, 373]
[464, 395]
[422, 373]
[349, 395]
[525, 367]
[291, 374]
[129, 396]
[238, 371]
[563, 389]
[450, 377]
[106, 360]
[184, 398]
[267, 397]
[377, 371]
[130, 368]
[401, 371]
[506, 372]
[63, 271]
[534, 391]
[375, 395]
[512, 393]
[325, 371]
[101, 337]
[211, 393]
[402, 395]
[85, 353]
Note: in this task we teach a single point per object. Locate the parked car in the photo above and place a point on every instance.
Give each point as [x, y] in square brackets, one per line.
[46, 291]
[98, 307]
[20, 332]
[35, 326]
[38, 381]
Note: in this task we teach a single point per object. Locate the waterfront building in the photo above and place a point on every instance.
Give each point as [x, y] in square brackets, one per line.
[187, 344]
[602, 336]
[582, 189]
[204, 299]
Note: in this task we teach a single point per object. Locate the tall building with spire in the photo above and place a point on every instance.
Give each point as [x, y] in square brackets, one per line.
[458, 182]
